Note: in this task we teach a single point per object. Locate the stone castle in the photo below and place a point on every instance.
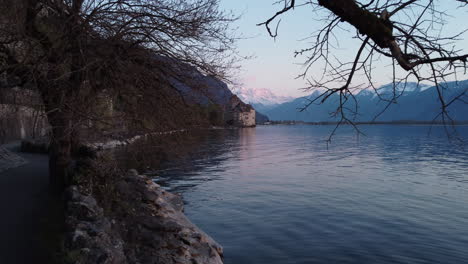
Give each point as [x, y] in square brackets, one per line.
[239, 114]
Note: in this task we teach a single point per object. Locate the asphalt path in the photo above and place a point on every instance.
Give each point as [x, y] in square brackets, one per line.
[24, 209]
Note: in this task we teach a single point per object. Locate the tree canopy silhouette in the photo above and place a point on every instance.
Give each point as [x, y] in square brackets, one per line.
[406, 33]
[72, 51]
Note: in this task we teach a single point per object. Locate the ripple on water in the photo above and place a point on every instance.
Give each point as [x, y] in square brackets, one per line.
[279, 194]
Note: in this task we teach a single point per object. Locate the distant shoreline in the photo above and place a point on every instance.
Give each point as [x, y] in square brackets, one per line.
[431, 123]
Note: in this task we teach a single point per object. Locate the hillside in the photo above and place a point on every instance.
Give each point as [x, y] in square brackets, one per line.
[414, 102]
[194, 101]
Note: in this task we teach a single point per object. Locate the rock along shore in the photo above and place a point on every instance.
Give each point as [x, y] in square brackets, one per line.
[145, 224]
[115, 143]
[118, 218]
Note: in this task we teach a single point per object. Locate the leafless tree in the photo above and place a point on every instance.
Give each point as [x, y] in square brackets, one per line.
[74, 50]
[407, 33]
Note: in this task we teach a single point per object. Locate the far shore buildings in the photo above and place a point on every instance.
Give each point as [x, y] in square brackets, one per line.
[240, 114]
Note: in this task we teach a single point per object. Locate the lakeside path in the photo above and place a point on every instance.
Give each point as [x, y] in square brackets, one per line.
[24, 205]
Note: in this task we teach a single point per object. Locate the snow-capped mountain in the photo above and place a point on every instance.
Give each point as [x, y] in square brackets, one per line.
[403, 87]
[388, 91]
[414, 102]
[261, 99]
[261, 96]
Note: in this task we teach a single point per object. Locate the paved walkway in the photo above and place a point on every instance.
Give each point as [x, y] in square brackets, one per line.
[24, 208]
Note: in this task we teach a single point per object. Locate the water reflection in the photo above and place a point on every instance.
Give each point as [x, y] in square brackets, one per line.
[177, 163]
[279, 194]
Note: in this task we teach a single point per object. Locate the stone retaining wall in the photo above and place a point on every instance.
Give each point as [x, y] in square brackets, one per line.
[20, 122]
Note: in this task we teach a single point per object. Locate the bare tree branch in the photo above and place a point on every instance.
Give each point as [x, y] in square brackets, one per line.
[409, 32]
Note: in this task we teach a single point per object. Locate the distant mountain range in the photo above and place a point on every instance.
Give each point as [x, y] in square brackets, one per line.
[262, 99]
[414, 102]
[212, 99]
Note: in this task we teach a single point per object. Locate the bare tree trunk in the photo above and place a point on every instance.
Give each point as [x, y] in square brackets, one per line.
[54, 96]
[60, 150]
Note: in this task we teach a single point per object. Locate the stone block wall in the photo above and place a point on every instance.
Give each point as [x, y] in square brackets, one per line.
[20, 122]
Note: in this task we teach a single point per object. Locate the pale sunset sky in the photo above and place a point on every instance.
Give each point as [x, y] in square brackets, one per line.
[273, 65]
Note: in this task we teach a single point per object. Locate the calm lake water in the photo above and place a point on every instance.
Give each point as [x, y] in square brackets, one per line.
[278, 194]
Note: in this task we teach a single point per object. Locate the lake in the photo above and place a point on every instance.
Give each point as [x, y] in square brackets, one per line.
[281, 194]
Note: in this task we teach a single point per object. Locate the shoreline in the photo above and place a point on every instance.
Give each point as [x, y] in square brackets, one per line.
[116, 143]
[274, 123]
[139, 221]
[143, 224]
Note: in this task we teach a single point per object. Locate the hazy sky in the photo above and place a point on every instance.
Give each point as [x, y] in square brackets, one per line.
[274, 66]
